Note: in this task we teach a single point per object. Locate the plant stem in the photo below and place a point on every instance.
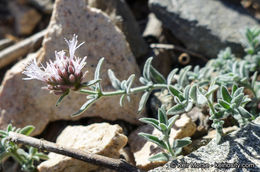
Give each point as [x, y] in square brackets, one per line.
[120, 92]
[169, 147]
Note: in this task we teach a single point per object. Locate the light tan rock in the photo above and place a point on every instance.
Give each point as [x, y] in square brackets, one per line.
[142, 149]
[212, 134]
[24, 102]
[122, 17]
[102, 138]
[26, 18]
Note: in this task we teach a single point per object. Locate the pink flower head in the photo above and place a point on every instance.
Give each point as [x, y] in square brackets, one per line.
[63, 73]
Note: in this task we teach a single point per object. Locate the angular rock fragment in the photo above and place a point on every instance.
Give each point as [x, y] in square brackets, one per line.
[24, 102]
[102, 138]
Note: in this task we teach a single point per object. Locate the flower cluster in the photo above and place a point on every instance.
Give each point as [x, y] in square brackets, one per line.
[62, 74]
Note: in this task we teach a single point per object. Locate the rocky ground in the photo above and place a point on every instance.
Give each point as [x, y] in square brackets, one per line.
[126, 33]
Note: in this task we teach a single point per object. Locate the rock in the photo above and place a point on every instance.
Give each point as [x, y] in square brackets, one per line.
[193, 25]
[212, 134]
[143, 149]
[121, 15]
[26, 18]
[238, 148]
[102, 138]
[103, 39]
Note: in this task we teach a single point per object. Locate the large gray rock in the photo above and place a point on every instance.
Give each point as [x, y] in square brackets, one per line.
[24, 102]
[240, 148]
[205, 26]
[122, 17]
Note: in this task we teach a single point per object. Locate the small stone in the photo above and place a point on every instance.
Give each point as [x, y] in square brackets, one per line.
[143, 149]
[102, 138]
[212, 134]
[26, 18]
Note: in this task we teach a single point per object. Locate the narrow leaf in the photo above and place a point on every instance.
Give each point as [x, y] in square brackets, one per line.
[171, 75]
[121, 102]
[62, 97]
[84, 107]
[238, 91]
[176, 109]
[193, 93]
[27, 130]
[143, 101]
[175, 92]
[244, 113]
[157, 77]
[179, 143]
[147, 68]
[238, 99]
[151, 121]
[90, 83]
[225, 94]
[163, 127]
[211, 90]
[162, 116]
[97, 73]
[183, 76]
[114, 81]
[129, 83]
[234, 88]
[153, 139]
[224, 104]
[172, 120]
[186, 92]
[159, 157]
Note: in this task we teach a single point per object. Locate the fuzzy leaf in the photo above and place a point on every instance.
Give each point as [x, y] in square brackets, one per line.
[97, 73]
[224, 104]
[42, 156]
[211, 90]
[162, 117]
[163, 127]
[121, 102]
[238, 99]
[153, 139]
[176, 109]
[171, 75]
[85, 106]
[143, 101]
[179, 143]
[183, 76]
[159, 157]
[62, 97]
[151, 121]
[90, 83]
[225, 94]
[172, 120]
[129, 83]
[234, 88]
[193, 93]
[156, 76]
[244, 113]
[114, 81]
[147, 68]
[238, 91]
[27, 130]
[175, 92]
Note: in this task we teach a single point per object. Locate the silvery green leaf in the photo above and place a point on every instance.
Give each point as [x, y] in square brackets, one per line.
[143, 101]
[97, 72]
[175, 92]
[176, 109]
[150, 121]
[157, 77]
[123, 85]
[162, 116]
[193, 93]
[32, 150]
[245, 101]
[172, 120]
[9, 128]
[211, 90]
[238, 99]
[254, 77]
[84, 107]
[177, 151]
[159, 157]
[114, 81]
[171, 75]
[179, 143]
[186, 92]
[182, 81]
[244, 113]
[242, 69]
[238, 91]
[21, 152]
[147, 68]
[129, 83]
[27, 130]
[42, 156]
[234, 68]
[224, 104]
[225, 94]
[234, 88]
[143, 80]
[3, 133]
[89, 83]
[218, 136]
[163, 126]
[121, 102]
[62, 97]
[36, 158]
[188, 106]
[153, 139]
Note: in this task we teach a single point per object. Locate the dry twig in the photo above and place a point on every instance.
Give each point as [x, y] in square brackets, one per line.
[111, 163]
